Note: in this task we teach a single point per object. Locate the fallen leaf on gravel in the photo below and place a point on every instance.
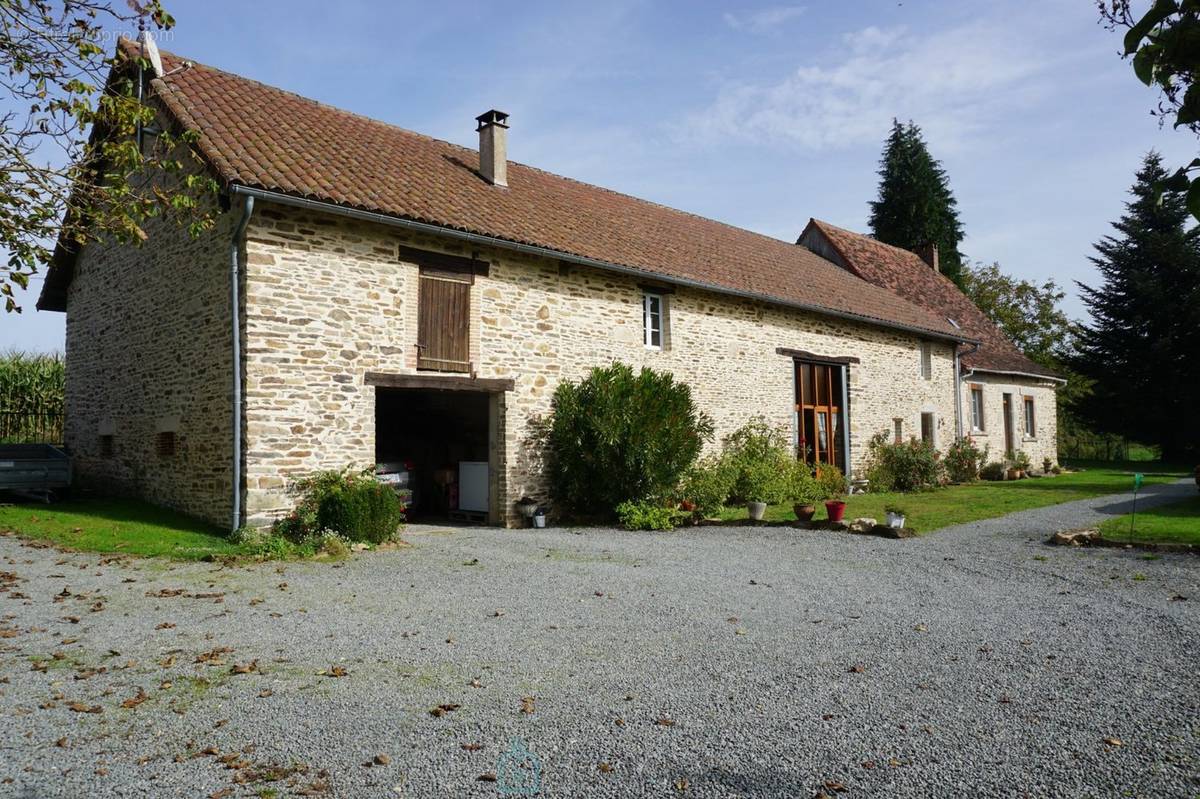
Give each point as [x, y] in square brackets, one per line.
[81, 707]
[1005, 699]
[1178, 598]
[264, 693]
[497, 613]
[167, 662]
[221, 794]
[868, 764]
[8, 633]
[207, 595]
[475, 683]
[732, 620]
[208, 751]
[833, 785]
[97, 607]
[71, 619]
[282, 586]
[857, 668]
[244, 668]
[165, 592]
[443, 709]
[921, 628]
[220, 723]
[135, 700]
[1114, 742]
[382, 760]
[620, 722]
[165, 685]
[257, 600]
[213, 657]
[827, 716]
[527, 704]
[61, 743]
[101, 772]
[664, 722]
[471, 747]
[681, 784]
[739, 631]
[471, 562]
[486, 777]
[604, 768]
[335, 671]
[166, 625]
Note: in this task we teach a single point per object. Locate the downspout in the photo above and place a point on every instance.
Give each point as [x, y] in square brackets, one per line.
[846, 417]
[236, 315]
[958, 378]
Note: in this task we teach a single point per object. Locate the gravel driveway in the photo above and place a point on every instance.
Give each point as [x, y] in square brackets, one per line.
[715, 662]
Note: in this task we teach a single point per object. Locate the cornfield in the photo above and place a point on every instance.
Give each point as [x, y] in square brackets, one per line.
[31, 397]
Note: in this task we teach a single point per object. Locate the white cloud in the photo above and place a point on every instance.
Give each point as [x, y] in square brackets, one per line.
[765, 20]
[954, 83]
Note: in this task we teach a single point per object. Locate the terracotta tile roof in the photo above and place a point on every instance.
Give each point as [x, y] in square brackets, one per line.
[267, 138]
[906, 274]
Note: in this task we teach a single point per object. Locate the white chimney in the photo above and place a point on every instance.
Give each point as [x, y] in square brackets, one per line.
[493, 147]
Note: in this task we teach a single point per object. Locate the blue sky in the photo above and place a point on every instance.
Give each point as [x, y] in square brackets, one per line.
[760, 115]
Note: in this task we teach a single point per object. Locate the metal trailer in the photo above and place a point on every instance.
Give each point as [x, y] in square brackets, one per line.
[36, 470]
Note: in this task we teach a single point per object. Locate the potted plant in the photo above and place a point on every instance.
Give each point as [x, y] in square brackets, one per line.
[895, 516]
[526, 507]
[803, 491]
[763, 486]
[835, 506]
[1021, 463]
[1047, 464]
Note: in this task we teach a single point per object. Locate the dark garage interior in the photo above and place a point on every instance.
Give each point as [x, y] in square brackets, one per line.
[436, 442]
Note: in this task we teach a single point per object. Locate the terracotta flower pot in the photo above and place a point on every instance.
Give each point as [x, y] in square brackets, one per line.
[836, 509]
[804, 512]
[1013, 474]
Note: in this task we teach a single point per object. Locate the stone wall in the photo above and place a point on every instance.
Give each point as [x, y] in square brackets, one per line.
[148, 352]
[328, 300]
[1043, 444]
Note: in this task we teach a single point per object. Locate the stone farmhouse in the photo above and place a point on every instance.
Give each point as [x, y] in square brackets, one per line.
[370, 294]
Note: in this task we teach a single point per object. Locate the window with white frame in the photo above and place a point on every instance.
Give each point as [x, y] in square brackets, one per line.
[926, 361]
[1030, 419]
[653, 320]
[977, 421]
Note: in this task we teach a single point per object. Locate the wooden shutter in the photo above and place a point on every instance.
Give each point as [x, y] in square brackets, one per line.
[444, 320]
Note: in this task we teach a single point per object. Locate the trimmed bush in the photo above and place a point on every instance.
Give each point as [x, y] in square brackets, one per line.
[618, 436]
[349, 502]
[912, 466]
[647, 516]
[993, 471]
[964, 460]
[362, 510]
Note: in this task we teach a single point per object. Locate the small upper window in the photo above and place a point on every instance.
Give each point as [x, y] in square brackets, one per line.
[926, 360]
[898, 423]
[652, 320]
[977, 408]
[1030, 420]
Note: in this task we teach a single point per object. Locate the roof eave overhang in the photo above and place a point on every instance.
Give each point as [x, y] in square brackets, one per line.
[546, 252]
[1014, 373]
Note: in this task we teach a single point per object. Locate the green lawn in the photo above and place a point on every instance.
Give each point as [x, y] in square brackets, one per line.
[120, 526]
[984, 500]
[1178, 523]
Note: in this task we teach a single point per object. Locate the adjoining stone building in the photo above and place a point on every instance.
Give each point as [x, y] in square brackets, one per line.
[400, 298]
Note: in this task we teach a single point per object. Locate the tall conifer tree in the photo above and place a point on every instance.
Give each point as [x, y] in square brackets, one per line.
[915, 206]
[1141, 347]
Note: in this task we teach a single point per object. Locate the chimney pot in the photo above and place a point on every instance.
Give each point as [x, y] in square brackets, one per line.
[929, 254]
[493, 147]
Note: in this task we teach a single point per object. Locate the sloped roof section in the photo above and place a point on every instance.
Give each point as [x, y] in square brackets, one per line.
[907, 275]
[266, 138]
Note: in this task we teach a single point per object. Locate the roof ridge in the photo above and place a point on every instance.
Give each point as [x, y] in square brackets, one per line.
[472, 151]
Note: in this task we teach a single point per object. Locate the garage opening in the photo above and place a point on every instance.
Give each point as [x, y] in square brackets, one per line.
[434, 444]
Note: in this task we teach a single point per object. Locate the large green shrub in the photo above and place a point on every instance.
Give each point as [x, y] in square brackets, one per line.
[964, 460]
[911, 466]
[618, 436]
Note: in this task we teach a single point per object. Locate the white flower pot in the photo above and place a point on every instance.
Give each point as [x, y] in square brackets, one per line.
[756, 510]
[539, 520]
[895, 520]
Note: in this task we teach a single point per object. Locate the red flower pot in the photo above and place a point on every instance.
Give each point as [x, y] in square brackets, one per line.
[836, 509]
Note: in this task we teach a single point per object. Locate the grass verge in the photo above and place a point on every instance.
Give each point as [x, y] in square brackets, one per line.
[958, 504]
[118, 526]
[1177, 523]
